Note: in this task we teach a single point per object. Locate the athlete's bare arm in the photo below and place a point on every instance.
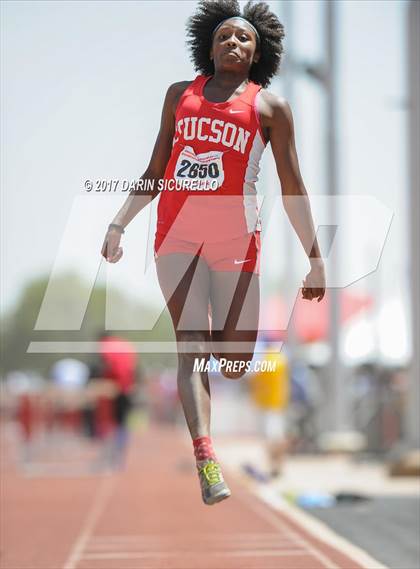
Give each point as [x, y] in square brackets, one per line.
[155, 171]
[277, 124]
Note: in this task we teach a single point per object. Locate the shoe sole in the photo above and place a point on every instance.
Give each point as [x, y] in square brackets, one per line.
[217, 498]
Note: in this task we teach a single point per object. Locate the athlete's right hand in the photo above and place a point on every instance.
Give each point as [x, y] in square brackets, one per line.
[111, 249]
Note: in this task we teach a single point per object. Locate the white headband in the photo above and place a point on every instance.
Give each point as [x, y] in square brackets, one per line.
[238, 18]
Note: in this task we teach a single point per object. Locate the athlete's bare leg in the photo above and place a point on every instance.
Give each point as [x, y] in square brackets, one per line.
[188, 307]
[235, 301]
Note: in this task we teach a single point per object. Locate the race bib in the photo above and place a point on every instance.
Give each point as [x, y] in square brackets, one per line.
[204, 171]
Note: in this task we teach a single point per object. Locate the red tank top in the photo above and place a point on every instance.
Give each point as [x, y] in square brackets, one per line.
[213, 167]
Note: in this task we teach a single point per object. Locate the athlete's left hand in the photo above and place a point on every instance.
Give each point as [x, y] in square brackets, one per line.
[314, 284]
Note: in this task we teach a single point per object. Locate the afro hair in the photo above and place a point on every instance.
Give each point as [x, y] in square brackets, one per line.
[210, 14]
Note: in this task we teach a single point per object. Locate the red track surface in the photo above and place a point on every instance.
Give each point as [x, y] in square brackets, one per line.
[150, 516]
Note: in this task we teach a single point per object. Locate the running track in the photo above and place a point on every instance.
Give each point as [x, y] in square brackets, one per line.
[150, 516]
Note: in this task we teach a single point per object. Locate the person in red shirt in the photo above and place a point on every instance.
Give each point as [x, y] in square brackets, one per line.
[119, 364]
[213, 132]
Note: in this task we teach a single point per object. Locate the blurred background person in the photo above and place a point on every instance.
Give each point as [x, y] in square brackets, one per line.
[270, 391]
[22, 401]
[118, 366]
[305, 400]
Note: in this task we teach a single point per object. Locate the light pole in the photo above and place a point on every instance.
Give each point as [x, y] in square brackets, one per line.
[340, 434]
[412, 421]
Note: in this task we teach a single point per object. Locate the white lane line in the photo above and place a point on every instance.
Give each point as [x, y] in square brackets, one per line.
[273, 519]
[173, 554]
[206, 535]
[199, 547]
[169, 538]
[169, 547]
[98, 506]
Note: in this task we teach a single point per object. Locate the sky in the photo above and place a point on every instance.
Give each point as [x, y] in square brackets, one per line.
[82, 90]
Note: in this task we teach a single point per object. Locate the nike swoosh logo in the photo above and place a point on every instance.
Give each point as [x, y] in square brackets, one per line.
[234, 112]
[236, 262]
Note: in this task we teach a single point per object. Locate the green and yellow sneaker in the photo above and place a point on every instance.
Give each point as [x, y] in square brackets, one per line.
[213, 487]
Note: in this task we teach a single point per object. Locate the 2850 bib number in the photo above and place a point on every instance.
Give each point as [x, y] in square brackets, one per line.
[206, 168]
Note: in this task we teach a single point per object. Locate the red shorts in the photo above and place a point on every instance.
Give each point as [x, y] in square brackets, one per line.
[235, 255]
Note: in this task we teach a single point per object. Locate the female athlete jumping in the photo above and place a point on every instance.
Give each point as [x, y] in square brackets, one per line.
[212, 134]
